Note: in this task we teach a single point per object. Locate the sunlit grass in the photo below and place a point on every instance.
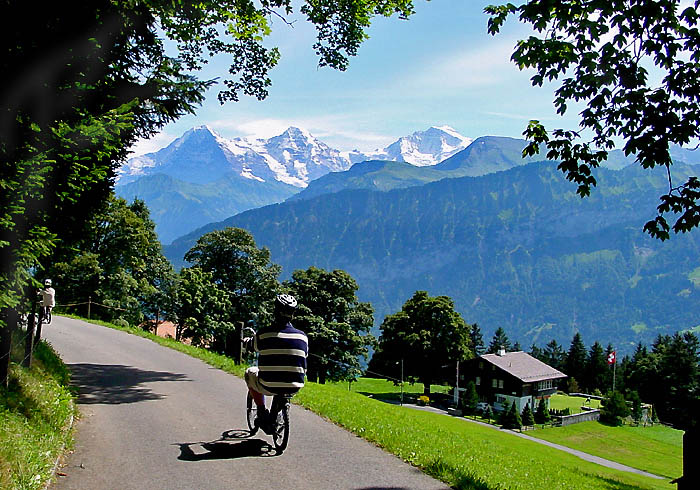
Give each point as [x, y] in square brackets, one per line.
[656, 449]
[34, 415]
[573, 403]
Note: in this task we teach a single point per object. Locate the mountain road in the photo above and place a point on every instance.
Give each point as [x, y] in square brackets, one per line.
[154, 418]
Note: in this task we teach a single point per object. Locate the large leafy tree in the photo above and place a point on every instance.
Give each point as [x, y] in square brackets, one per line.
[118, 262]
[243, 271]
[336, 322]
[201, 308]
[427, 333]
[107, 72]
[634, 66]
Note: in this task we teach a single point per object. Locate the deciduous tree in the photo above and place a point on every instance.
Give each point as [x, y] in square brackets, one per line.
[426, 333]
[335, 321]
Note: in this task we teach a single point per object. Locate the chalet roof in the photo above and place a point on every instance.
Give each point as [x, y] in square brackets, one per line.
[523, 366]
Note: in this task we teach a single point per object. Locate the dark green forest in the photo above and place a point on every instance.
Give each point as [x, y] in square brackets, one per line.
[518, 249]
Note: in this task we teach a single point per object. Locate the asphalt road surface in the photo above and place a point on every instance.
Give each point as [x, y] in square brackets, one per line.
[153, 418]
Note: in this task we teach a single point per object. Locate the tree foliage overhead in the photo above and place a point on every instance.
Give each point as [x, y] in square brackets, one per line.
[635, 65]
[107, 72]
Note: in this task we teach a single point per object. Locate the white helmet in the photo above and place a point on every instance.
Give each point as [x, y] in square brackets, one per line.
[47, 282]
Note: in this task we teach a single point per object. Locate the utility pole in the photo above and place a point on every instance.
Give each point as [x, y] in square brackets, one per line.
[89, 301]
[402, 382]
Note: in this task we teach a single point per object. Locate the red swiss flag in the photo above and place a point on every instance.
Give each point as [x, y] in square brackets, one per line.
[611, 358]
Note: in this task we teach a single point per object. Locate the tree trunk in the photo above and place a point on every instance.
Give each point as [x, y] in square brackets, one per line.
[10, 316]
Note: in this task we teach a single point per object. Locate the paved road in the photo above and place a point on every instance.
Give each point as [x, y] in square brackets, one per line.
[153, 418]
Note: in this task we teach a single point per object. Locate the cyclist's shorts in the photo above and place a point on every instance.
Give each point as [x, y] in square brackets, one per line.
[252, 380]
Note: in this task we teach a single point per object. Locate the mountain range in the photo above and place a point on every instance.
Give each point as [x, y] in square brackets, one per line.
[516, 248]
[202, 176]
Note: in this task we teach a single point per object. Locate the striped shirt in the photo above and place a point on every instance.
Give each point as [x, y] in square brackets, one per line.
[282, 358]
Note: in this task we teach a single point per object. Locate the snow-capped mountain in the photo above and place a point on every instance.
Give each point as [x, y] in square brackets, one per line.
[201, 155]
[422, 148]
[294, 157]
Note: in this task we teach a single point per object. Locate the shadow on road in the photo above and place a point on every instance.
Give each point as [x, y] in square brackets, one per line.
[115, 384]
[226, 447]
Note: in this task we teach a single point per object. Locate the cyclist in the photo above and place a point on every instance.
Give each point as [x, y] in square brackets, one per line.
[281, 360]
[48, 299]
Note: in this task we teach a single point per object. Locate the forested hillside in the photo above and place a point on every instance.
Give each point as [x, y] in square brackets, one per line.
[517, 249]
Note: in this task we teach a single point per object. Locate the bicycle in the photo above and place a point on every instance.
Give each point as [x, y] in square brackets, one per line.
[45, 315]
[277, 424]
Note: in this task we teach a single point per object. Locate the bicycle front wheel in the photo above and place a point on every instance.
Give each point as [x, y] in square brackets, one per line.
[280, 434]
[251, 414]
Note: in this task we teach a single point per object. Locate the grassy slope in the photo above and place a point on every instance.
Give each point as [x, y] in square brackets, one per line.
[560, 402]
[34, 420]
[656, 449]
[464, 455]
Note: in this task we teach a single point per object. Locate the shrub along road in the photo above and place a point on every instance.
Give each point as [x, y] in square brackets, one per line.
[159, 419]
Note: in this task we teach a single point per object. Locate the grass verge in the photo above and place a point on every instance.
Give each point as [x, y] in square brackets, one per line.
[34, 421]
[656, 449]
[459, 453]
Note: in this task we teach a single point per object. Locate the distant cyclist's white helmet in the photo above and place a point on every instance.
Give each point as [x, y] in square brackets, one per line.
[47, 282]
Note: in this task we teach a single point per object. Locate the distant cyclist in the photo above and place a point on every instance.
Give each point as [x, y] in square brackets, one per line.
[282, 357]
[48, 300]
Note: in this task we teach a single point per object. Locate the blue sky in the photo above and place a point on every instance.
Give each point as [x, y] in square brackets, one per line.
[438, 68]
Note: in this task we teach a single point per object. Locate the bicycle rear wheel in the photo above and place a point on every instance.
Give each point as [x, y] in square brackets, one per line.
[251, 414]
[280, 433]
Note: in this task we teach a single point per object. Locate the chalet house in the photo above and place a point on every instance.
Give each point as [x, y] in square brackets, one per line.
[508, 377]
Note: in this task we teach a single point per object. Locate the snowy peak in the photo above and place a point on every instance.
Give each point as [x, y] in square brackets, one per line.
[201, 155]
[295, 157]
[422, 148]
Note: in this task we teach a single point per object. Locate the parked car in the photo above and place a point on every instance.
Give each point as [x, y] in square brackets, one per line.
[482, 407]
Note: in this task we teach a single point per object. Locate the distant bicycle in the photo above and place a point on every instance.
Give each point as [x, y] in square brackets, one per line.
[45, 314]
[277, 425]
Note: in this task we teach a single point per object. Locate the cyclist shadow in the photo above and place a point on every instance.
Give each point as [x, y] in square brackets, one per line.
[232, 444]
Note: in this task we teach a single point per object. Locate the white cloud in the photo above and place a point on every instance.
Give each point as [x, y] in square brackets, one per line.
[481, 66]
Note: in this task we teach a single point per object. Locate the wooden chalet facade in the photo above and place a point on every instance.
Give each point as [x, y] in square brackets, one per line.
[508, 377]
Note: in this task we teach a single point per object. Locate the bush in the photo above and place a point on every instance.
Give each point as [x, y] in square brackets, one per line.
[423, 400]
[120, 322]
[613, 409]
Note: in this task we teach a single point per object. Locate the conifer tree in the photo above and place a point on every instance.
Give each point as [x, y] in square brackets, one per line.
[527, 416]
[499, 341]
[576, 358]
[477, 339]
[542, 414]
[470, 399]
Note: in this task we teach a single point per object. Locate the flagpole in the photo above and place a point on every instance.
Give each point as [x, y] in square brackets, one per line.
[614, 366]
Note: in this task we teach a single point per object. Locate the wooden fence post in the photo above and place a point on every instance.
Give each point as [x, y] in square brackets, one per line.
[29, 341]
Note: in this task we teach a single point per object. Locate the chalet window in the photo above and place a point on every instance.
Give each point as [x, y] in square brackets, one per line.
[481, 364]
[478, 381]
[545, 385]
[500, 383]
[494, 383]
